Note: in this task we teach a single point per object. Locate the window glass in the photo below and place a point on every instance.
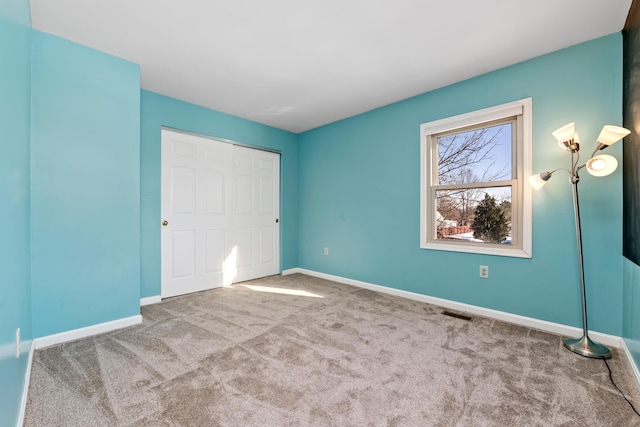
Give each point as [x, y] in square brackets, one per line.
[478, 155]
[474, 215]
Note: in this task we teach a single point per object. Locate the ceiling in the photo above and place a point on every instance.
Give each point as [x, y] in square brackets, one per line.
[300, 64]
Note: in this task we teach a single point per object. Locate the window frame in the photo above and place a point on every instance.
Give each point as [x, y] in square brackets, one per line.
[521, 198]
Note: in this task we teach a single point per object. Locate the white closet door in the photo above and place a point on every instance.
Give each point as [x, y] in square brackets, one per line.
[219, 213]
[256, 213]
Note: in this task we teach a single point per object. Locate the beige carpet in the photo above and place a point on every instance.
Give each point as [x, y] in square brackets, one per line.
[331, 355]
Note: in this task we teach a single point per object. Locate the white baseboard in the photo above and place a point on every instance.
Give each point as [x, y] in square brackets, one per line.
[25, 389]
[75, 334]
[529, 322]
[150, 300]
[630, 362]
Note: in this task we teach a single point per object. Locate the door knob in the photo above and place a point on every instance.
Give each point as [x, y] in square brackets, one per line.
[165, 223]
[277, 220]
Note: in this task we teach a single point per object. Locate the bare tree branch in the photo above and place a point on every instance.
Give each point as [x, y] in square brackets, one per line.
[460, 152]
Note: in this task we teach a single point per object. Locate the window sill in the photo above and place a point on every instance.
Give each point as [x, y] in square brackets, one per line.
[478, 249]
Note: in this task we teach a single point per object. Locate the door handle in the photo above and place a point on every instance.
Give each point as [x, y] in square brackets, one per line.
[165, 223]
[277, 220]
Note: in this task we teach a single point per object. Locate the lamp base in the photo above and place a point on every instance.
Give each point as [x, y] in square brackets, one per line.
[585, 347]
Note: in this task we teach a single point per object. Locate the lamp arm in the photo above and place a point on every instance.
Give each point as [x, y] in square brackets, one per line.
[561, 169]
[599, 146]
[575, 158]
[571, 174]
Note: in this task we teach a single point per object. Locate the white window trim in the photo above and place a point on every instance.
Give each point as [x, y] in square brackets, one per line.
[427, 208]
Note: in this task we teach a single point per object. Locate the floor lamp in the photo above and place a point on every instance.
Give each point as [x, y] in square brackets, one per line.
[601, 165]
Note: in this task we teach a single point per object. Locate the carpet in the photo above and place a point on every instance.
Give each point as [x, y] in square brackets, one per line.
[303, 351]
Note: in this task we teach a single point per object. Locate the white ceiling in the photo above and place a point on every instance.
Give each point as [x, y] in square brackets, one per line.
[299, 64]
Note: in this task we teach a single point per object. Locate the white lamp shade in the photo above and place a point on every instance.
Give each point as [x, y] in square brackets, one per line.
[611, 134]
[564, 144]
[565, 133]
[602, 165]
[537, 182]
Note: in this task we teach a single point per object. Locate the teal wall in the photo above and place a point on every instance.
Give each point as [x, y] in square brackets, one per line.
[16, 11]
[157, 111]
[15, 294]
[85, 186]
[631, 311]
[359, 194]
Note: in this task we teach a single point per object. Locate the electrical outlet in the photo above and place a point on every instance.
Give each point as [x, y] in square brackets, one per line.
[326, 251]
[17, 343]
[484, 271]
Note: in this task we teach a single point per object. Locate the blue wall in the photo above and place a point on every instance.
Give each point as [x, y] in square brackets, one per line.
[157, 111]
[85, 186]
[359, 194]
[15, 295]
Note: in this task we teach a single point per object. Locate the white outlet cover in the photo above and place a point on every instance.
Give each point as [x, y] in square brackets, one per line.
[484, 271]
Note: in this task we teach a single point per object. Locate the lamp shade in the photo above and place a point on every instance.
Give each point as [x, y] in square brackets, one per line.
[538, 180]
[611, 134]
[565, 133]
[602, 165]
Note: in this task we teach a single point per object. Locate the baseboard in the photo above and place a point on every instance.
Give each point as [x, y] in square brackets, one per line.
[150, 300]
[630, 362]
[25, 389]
[529, 322]
[75, 334]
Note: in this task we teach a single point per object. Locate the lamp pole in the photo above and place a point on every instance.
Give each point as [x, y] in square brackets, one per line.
[583, 346]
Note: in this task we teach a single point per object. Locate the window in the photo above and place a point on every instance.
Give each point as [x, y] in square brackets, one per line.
[473, 196]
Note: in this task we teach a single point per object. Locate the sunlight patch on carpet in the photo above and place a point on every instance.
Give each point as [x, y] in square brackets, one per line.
[285, 291]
